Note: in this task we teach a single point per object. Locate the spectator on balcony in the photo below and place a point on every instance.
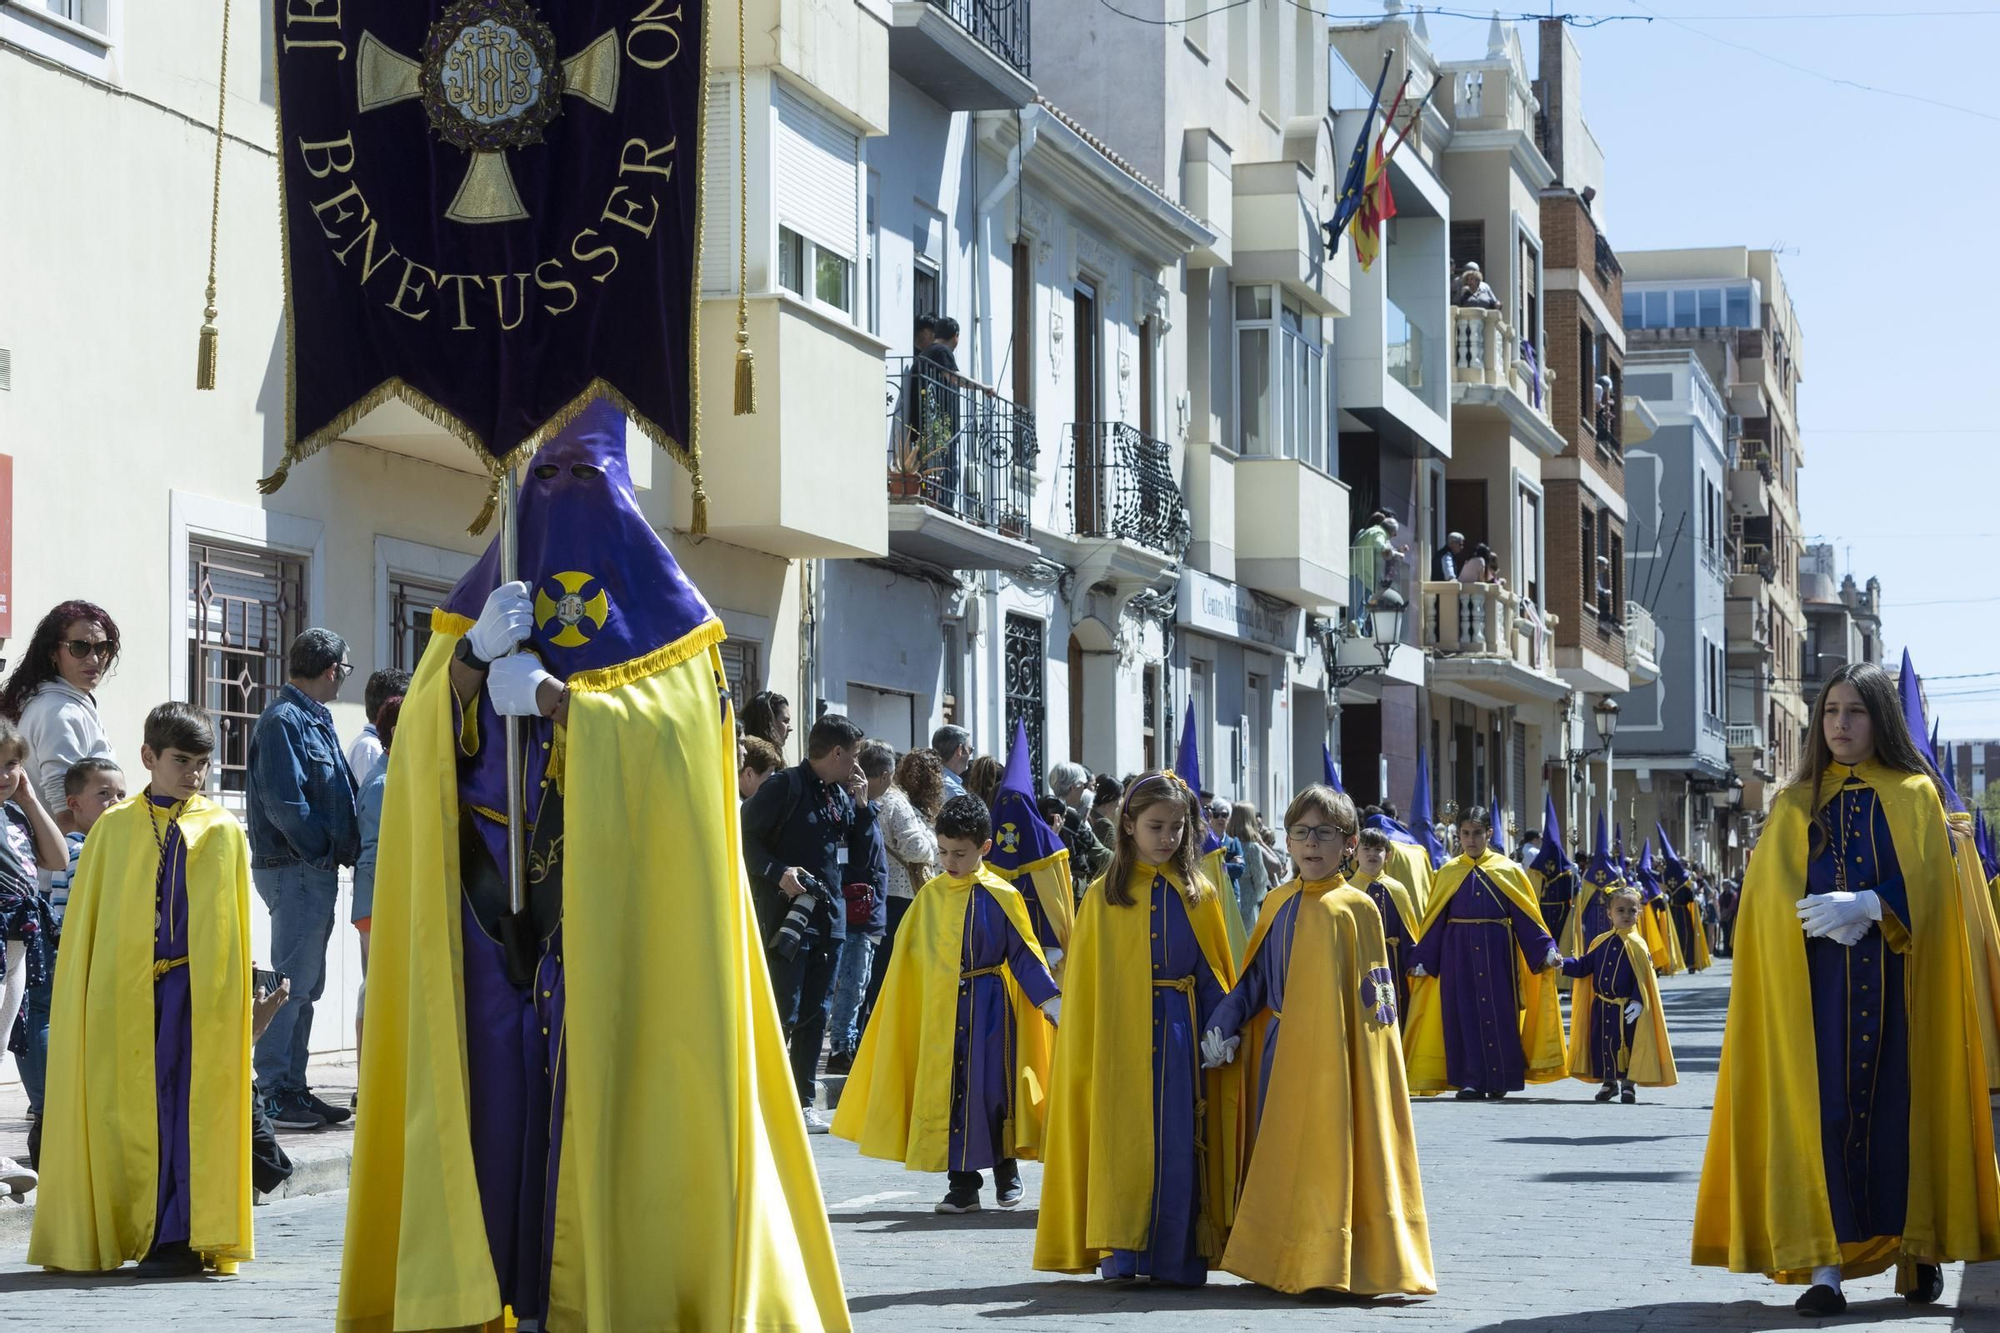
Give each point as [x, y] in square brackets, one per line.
[954, 750]
[1479, 567]
[938, 425]
[1472, 290]
[1377, 557]
[1444, 565]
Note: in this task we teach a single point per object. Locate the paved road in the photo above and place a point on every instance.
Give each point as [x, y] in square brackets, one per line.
[1549, 1213]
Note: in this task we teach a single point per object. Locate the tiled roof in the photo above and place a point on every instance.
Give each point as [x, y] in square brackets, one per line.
[1104, 150]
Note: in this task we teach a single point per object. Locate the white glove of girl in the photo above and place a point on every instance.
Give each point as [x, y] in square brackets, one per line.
[1841, 917]
[1218, 1050]
[1052, 1010]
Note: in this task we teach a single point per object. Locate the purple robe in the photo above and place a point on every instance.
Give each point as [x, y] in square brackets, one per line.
[1262, 986]
[1860, 1026]
[1179, 1019]
[1396, 934]
[1045, 930]
[982, 1067]
[1470, 949]
[1613, 983]
[173, 1031]
[514, 1042]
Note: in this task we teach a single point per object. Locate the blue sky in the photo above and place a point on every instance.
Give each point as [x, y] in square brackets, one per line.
[1885, 208]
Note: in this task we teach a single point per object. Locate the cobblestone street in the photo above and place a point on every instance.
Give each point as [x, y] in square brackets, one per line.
[1548, 1213]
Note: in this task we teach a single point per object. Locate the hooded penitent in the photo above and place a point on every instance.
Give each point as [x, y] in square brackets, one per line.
[1684, 910]
[1027, 853]
[1187, 767]
[1552, 872]
[649, 1008]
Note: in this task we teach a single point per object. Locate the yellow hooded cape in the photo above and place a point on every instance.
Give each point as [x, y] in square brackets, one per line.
[1982, 940]
[1663, 942]
[1701, 960]
[1331, 1197]
[1763, 1205]
[1652, 1060]
[1412, 866]
[670, 1023]
[1232, 912]
[1054, 890]
[1097, 1184]
[1572, 942]
[100, 1159]
[897, 1102]
[1539, 1002]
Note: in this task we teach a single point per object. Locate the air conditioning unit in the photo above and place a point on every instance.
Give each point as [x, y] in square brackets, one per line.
[1735, 426]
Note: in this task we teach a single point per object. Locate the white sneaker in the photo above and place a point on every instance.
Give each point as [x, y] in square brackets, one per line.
[816, 1121]
[15, 1178]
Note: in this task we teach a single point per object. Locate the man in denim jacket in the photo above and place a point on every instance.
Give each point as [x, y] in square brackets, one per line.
[304, 826]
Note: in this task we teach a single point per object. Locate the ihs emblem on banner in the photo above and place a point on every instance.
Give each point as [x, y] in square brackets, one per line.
[489, 80]
[1008, 838]
[571, 609]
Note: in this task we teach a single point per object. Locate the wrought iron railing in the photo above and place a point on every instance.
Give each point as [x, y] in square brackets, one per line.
[958, 446]
[1121, 484]
[1608, 266]
[1001, 26]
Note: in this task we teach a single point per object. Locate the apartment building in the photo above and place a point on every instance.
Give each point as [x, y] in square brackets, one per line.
[1729, 305]
[1672, 756]
[1843, 618]
[1227, 111]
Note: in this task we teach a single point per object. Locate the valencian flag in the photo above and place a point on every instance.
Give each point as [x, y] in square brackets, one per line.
[1027, 853]
[492, 212]
[1378, 202]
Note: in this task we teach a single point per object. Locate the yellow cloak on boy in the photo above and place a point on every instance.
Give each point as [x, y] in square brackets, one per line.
[1652, 1059]
[1331, 1196]
[1982, 941]
[1539, 1003]
[1097, 1183]
[897, 1101]
[1762, 1205]
[100, 1160]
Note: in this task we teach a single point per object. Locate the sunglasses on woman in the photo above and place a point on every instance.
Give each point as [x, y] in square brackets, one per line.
[83, 649]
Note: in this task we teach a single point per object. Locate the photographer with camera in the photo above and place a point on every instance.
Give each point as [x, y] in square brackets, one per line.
[805, 838]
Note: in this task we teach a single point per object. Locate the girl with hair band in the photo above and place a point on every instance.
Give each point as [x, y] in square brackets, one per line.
[1141, 1146]
[1851, 1131]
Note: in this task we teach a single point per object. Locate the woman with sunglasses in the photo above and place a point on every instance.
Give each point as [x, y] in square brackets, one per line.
[51, 697]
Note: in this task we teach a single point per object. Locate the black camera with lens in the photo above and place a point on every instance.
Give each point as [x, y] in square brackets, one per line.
[791, 932]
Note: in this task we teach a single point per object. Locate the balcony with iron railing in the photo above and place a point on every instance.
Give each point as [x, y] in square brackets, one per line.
[1643, 644]
[1497, 374]
[1749, 749]
[961, 469]
[1123, 508]
[966, 55]
[1488, 646]
[1750, 482]
[1754, 558]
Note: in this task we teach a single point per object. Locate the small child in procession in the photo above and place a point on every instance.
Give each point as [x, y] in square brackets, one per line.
[1139, 1175]
[31, 843]
[147, 1153]
[1618, 1032]
[954, 1065]
[1331, 1198]
[1373, 854]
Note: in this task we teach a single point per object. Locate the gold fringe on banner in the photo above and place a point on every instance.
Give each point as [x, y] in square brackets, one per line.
[205, 349]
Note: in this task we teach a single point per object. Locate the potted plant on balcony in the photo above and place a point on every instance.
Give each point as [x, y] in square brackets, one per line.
[919, 457]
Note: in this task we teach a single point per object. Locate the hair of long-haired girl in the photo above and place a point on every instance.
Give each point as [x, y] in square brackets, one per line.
[1146, 792]
[1894, 746]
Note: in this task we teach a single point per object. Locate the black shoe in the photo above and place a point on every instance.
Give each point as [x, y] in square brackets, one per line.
[1007, 1193]
[840, 1062]
[1819, 1301]
[333, 1115]
[1629, 1097]
[1606, 1093]
[291, 1110]
[1495, 1096]
[174, 1259]
[960, 1201]
[1930, 1285]
[1471, 1095]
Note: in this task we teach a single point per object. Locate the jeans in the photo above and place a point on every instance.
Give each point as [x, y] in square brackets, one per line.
[301, 899]
[34, 1062]
[883, 948]
[802, 985]
[850, 981]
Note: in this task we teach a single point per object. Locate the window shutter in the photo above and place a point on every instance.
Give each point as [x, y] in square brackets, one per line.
[818, 176]
[720, 204]
[1468, 243]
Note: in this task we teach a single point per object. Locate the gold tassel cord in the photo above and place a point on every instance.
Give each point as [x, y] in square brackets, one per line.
[205, 351]
[746, 367]
[492, 505]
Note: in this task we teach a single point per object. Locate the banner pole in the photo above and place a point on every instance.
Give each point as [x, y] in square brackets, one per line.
[515, 937]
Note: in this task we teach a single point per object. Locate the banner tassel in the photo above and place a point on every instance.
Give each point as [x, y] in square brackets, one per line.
[205, 350]
[746, 375]
[270, 485]
[492, 506]
[698, 523]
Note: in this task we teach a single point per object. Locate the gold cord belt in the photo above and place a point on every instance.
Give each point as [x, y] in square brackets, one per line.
[1480, 921]
[993, 971]
[162, 966]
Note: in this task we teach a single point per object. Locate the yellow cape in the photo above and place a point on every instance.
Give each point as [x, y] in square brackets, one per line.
[1652, 1058]
[1701, 960]
[1982, 941]
[1572, 942]
[897, 1102]
[100, 1160]
[1412, 866]
[1663, 942]
[1332, 1199]
[1232, 911]
[669, 1022]
[1763, 1205]
[1097, 1184]
[1540, 1004]
[1055, 892]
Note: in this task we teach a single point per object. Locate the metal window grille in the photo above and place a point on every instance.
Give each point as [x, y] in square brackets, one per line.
[244, 608]
[739, 669]
[411, 601]
[1027, 665]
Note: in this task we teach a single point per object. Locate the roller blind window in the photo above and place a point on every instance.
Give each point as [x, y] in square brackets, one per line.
[819, 180]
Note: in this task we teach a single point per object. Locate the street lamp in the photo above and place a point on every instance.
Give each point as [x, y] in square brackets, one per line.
[1386, 615]
[1606, 710]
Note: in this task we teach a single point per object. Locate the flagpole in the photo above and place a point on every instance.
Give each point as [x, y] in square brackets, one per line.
[514, 935]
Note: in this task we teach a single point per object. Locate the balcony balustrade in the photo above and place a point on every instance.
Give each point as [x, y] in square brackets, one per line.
[1120, 484]
[961, 468]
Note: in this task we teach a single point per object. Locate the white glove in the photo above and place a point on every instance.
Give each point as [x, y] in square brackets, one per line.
[1053, 957]
[1052, 1010]
[506, 619]
[1632, 1008]
[1417, 970]
[1554, 959]
[1216, 1049]
[1824, 913]
[1849, 936]
[512, 684]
